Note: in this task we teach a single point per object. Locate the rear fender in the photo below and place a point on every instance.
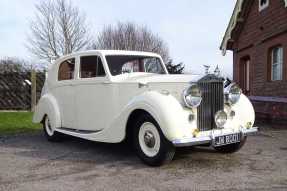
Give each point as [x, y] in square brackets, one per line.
[48, 105]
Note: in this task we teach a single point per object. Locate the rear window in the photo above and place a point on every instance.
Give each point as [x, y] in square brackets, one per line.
[66, 70]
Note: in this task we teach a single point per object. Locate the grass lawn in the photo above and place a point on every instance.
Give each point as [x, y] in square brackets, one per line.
[17, 122]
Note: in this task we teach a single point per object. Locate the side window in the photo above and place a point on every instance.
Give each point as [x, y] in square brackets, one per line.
[91, 66]
[66, 70]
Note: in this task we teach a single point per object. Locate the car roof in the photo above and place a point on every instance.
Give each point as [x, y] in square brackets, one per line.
[108, 52]
[56, 62]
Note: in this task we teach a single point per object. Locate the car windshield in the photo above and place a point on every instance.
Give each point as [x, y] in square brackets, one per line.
[121, 64]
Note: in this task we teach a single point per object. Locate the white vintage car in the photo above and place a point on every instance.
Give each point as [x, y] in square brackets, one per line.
[111, 96]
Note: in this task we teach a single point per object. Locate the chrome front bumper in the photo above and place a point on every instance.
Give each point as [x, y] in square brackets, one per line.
[200, 140]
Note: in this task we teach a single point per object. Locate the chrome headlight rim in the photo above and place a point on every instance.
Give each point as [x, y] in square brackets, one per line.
[233, 94]
[192, 101]
[220, 115]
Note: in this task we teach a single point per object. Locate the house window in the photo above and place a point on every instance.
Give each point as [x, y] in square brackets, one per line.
[66, 70]
[263, 4]
[277, 63]
[244, 74]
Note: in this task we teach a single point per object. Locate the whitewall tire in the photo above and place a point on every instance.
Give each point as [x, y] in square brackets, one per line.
[49, 130]
[149, 139]
[150, 144]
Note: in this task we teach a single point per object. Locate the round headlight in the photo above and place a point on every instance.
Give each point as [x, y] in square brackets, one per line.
[234, 93]
[192, 96]
[220, 118]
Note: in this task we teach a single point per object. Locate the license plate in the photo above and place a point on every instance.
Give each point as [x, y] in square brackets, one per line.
[227, 139]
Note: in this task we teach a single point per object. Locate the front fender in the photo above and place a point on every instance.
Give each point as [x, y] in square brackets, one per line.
[171, 116]
[244, 111]
[47, 105]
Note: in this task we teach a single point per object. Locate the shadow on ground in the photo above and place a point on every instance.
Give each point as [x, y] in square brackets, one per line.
[80, 150]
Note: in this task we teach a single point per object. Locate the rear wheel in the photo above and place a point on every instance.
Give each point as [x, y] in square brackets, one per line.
[150, 144]
[232, 148]
[49, 130]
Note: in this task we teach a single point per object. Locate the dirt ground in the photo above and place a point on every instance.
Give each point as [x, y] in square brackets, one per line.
[29, 162]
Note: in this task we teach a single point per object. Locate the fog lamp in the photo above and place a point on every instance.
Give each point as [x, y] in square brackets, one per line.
[220, 118]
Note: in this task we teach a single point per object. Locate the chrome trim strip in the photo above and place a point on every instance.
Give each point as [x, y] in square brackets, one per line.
[77, 130]
[191, 141]
[250, 131]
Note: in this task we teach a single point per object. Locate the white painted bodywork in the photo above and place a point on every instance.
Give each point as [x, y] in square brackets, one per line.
[98, 108]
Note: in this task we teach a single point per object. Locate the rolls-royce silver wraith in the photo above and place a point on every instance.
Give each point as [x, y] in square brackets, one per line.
[111, 96]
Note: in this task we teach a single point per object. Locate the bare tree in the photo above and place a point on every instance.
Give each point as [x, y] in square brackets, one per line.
[57, 29]
[129, 36]
[174, 68]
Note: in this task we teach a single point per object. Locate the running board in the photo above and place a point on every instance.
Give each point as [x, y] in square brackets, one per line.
[101, 135]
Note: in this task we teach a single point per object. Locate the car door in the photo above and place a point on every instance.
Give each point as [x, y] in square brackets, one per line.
[64, 92]
[94, 95]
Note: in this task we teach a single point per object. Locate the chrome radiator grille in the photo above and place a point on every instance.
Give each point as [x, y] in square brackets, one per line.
[212, 101]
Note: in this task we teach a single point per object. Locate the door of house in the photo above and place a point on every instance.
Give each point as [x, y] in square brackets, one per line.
[244, 75]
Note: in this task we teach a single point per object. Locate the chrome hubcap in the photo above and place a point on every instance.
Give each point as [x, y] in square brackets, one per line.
[149, 139]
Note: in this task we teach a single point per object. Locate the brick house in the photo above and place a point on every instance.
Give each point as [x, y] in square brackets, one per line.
[257, 35]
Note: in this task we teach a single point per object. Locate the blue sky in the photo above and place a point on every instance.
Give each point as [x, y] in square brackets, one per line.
[193, 29]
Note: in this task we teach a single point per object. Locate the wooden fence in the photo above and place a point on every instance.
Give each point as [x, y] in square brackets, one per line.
[20, 91]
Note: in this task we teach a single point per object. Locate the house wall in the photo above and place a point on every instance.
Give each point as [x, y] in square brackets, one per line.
[260, 32]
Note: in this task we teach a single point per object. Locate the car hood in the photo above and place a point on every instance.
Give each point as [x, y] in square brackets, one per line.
[158, 78]
[172, 83]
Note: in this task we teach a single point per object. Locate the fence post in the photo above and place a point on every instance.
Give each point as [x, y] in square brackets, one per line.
[33, 89]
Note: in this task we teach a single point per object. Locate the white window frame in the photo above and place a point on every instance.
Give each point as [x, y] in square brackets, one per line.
[279, 63]
[262, 7]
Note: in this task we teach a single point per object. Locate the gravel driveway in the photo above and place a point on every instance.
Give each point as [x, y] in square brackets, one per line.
[29, 162]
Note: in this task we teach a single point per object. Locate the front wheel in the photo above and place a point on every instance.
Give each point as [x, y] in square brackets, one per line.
[232, 148]
[150, 144]
[49, 130]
